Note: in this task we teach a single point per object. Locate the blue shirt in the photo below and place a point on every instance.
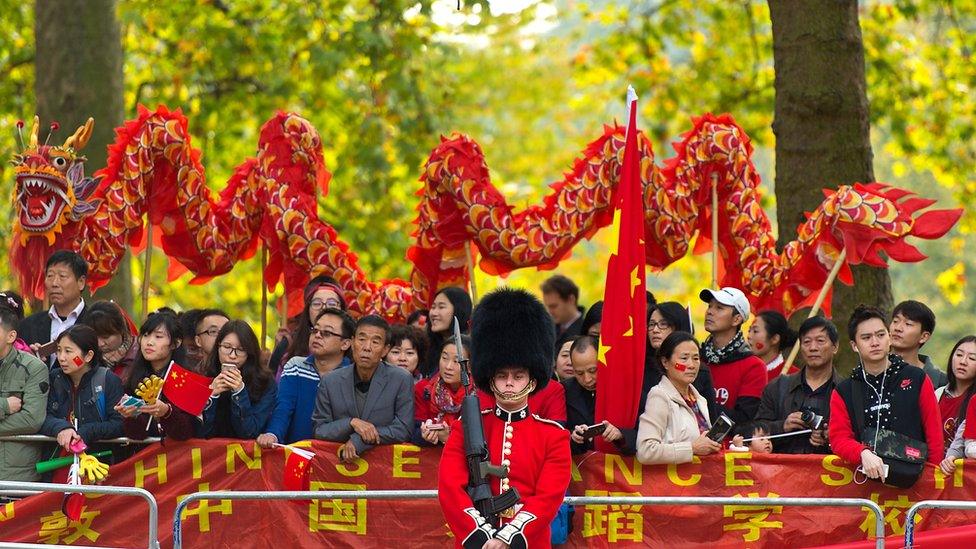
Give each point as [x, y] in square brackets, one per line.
[291, 420]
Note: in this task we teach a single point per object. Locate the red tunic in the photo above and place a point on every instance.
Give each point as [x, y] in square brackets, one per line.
[549, 403]
[537, 454]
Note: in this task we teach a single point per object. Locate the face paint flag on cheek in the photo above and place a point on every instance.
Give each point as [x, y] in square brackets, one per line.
[680, 367]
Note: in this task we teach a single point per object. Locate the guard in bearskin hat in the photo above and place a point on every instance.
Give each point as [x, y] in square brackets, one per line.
[511, 357]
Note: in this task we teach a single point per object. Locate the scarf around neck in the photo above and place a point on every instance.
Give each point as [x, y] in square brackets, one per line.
[737, 349]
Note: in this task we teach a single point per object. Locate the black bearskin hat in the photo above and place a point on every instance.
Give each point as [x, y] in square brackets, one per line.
[511, 328]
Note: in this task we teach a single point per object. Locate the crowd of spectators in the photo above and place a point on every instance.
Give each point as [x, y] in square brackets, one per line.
[362, 383]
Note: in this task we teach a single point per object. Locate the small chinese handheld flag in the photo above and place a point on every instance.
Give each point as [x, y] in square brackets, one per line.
[187, 390]
[297, 466]
[623, 329]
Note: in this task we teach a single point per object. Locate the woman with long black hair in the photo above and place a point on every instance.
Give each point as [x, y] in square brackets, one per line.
[244, 390]
[159, 344]
[448, 302]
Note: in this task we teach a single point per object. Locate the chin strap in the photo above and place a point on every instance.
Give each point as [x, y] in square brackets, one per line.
[512, 397]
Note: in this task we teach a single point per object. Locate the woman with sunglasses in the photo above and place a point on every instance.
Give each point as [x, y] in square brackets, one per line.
[322, 292]
[243, 389]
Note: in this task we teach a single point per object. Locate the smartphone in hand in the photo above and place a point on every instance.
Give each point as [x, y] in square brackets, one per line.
[47, 349]
[721, 428]
[592, 431]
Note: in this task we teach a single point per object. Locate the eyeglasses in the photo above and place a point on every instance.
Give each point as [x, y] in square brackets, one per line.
[231, 350]
[323, 303]
[211, 331]
[324, 333]
[662, 325]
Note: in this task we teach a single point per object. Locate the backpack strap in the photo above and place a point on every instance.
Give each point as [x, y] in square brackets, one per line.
[857, 399]
[98, 390]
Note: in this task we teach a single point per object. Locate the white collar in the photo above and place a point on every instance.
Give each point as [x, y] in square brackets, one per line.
[75, 313]
[775, 363]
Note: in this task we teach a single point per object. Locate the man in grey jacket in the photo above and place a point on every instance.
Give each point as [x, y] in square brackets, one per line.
[24, 388]
[368, 404]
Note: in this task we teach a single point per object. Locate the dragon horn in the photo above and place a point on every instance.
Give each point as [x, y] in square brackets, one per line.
[35, 128]
[80, 138]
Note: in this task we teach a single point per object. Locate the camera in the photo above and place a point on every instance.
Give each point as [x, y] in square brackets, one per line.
[811, 418]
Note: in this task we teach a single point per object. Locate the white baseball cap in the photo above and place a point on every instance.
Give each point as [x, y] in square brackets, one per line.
[733, 297]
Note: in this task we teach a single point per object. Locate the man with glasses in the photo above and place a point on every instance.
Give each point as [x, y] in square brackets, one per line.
[209, 323]
[328, 345]
[368, 404]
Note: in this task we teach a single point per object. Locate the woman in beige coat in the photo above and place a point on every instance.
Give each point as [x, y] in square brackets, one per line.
[675, 419]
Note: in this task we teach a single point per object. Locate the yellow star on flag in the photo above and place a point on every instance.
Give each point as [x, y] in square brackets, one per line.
[601, 355]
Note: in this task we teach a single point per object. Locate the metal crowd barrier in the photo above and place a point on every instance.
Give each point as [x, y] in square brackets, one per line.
[110, 490]
[930, 504]
[42, 438]
[879, 525]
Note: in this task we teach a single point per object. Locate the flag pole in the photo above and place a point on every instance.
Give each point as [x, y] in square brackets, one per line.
[160, 392]
[817, 304]
[714, 229]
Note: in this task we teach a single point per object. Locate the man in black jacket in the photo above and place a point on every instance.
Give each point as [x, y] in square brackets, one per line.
[581, 401]
[786, 398]
[64, 279]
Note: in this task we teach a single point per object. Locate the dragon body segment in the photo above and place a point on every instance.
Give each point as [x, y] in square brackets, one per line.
[154, 172]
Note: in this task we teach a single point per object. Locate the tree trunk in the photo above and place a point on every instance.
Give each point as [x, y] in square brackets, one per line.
[78, 73]
[822, 128]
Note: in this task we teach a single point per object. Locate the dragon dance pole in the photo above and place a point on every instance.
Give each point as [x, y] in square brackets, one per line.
[264, 298]
[714, 230]
[817, 304]
[474, 287]
[147, 263]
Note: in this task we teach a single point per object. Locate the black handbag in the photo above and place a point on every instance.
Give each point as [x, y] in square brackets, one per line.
[904, 456]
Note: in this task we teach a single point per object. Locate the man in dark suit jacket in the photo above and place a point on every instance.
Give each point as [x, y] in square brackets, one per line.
[368, 404]
[561, 297]
[64, 279]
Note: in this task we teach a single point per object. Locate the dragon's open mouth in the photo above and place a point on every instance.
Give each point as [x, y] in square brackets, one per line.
[42, 199]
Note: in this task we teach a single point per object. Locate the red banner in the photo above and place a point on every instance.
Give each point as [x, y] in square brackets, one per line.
[181, 468]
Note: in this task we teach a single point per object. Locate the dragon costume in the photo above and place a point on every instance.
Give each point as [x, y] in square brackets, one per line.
[154, 172]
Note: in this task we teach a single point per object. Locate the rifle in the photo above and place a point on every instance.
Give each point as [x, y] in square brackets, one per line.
[476, 450]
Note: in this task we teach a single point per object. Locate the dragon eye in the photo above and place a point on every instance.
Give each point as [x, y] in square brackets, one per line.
[59, 161]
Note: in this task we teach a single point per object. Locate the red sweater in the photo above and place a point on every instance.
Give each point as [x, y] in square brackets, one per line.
[842, 440]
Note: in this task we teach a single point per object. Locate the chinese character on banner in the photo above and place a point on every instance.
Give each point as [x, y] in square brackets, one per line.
[894, 515]
[7, 512]
[752, 518]
[205, 508]
[617, 522]
[337, 515]
[57, 529]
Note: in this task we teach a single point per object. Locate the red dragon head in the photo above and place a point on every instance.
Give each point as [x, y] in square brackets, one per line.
[51, 185]
[52, 196]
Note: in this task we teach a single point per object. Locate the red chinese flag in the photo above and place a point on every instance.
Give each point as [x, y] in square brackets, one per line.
[623, 331]
[187, 390]
[297, 466]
